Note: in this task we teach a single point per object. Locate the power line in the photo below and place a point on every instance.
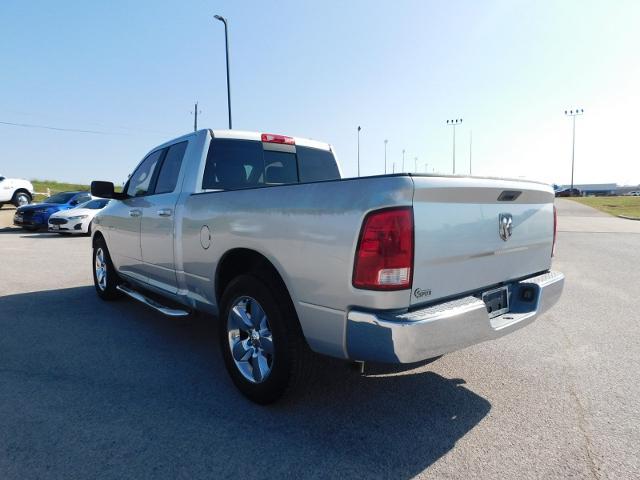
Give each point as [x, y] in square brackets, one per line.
[95, 132]
[59, 129]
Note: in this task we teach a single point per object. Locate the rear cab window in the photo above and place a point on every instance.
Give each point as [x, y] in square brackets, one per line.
[237, 164]
[316, 165]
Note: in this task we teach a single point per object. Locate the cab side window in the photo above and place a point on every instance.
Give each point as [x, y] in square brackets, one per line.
[168, 177]
[140, 182]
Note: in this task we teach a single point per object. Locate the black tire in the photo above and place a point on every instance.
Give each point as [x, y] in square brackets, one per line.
[21, 198]
[107, 288]
[292, 360]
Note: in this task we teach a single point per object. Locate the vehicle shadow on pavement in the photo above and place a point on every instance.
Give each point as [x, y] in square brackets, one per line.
[14, 230]
[37, 234]
[112, 389]
[40, 235]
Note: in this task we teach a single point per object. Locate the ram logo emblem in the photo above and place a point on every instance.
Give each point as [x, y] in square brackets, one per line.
[505, 226]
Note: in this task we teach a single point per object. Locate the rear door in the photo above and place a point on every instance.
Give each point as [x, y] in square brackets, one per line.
[157, 230]
[472, 233]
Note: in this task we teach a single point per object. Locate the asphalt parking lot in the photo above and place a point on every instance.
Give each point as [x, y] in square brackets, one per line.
[113, 390]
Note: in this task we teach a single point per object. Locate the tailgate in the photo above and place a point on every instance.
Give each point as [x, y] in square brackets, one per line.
[460, 246]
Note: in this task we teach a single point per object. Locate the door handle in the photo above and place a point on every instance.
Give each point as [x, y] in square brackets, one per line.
[165, 212]
[135, 213]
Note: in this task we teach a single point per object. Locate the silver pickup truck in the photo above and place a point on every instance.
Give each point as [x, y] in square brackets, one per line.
[261, 231]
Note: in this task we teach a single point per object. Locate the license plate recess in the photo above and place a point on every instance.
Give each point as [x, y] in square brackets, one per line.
[496, 301]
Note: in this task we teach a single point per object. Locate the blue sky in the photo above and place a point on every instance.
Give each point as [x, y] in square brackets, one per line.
[132, 71]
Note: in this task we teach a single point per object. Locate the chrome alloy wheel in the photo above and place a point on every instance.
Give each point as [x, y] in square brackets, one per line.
[101, 269]
[250, 339]
[22, 199]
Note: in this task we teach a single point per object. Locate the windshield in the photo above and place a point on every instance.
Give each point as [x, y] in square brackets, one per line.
[95, 204]
[59, 198]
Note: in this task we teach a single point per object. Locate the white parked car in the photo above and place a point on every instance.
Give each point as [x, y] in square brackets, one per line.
[78, 219]
[16, 191]
[635, 193]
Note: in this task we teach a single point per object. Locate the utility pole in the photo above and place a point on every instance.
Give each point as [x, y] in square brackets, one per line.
[195, 116]
[403, 160]
[574, 114]
[359, 128]
[415, 164]
[454, 123]
[385, 156]
[394, 167]
[226, 43]
[426, 168]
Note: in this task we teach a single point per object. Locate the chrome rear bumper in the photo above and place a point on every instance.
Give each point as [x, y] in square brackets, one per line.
[446, 327]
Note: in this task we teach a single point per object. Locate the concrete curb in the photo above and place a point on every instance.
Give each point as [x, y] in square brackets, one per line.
[628, 218]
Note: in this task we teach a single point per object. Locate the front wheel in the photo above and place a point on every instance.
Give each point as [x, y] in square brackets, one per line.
[105, 278]
[20, 199]
[261, 341]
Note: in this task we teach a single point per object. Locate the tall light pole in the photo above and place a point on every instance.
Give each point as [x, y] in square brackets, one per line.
[393, 165]
[574, 114]
[226, 43]
[385, 156]
[454, 123]
[415, 164]
[426, 168]
[403, 160]
[359, 128]
[195, 116]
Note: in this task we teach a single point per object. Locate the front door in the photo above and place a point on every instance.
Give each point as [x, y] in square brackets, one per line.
[124, 219]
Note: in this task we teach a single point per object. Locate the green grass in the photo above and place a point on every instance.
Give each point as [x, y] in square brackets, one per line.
[627, 206]
[40, 186]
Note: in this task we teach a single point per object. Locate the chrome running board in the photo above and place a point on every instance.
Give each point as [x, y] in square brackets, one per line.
[169, 312]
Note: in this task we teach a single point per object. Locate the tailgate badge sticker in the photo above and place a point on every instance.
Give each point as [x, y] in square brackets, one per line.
[419, 292]
[505, 226]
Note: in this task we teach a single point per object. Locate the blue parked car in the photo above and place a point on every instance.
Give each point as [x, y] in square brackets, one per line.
[36, 216]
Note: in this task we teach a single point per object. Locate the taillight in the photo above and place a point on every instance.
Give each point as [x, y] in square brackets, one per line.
[384, 257]
[272, 138]
[555, 230]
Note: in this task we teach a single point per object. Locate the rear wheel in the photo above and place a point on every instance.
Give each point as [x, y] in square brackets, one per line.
[105, 278]
[20, 199]
[261, 341]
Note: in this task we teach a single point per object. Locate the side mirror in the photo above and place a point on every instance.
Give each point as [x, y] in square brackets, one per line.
[105, 190]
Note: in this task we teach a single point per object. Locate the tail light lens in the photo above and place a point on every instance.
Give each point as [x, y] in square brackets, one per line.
[555, 230]
[384, 257]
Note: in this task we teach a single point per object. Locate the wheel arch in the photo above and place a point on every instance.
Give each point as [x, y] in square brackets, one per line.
[22, 190]
[238, 261]
[96, 237]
